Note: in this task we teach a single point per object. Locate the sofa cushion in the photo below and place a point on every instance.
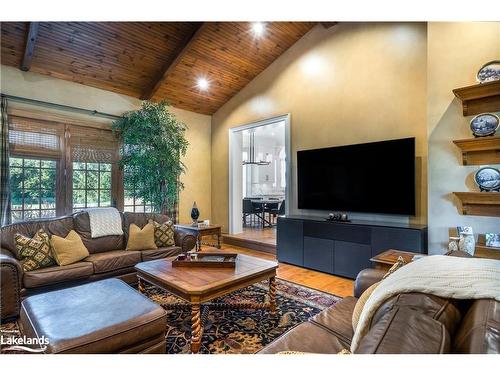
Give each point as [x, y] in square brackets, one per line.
[36, 251]
[140, 219]
[113, 260]
[306, 337]
[479, 331]
[59, 226]
[164, 233]
[57, 274]
[95, 245]
[69, 249]
[106, 316]
[338, 319]
[161, 252]
[140, 239]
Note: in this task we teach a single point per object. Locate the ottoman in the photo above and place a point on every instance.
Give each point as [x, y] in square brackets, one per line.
[106, 316]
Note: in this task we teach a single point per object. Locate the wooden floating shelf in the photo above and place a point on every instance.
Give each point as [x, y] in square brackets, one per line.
[479, 203]
[480, 98]
[477, 151]
[483, 251]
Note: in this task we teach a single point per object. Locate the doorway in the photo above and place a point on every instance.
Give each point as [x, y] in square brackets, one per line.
[259, 174]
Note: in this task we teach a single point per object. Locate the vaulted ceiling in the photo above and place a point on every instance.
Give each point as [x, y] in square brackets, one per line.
[151, 60]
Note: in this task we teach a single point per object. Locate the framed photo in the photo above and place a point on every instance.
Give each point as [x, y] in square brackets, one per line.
[492, 239]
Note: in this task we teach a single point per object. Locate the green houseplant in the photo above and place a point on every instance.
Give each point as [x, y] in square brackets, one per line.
[153, 143]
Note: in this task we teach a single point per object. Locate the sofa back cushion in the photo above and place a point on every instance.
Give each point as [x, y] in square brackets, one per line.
[96, 245]
[428, 323]
[140, 219]
[60, 226]
[479, 331]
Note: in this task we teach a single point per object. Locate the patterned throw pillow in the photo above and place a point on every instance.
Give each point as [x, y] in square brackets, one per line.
[36, 251]
[164, 233]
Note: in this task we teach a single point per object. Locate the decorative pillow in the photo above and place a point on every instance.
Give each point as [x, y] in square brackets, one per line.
[68, 250]
[360, 304]
[141, 239]
[36, 251]
[164, 233]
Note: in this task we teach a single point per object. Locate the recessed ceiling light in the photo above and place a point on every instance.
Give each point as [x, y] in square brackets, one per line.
[258, 28]
[202, 83]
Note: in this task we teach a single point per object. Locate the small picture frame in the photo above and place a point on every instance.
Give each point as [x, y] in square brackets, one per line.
[464, 231]
[492, 239]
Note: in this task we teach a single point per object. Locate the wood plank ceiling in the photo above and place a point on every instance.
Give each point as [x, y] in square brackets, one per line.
[151, 60]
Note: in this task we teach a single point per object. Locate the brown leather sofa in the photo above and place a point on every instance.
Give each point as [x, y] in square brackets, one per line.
[107, 257]
[409, 323]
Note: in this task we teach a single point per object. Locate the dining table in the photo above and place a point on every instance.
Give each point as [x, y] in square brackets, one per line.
[266, 205]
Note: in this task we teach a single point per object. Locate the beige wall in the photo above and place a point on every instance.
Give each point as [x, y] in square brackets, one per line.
[197, 179]
[455, 52]
[352, 83]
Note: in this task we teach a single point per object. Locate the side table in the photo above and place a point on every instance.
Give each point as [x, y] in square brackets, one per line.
[386, 260]
[200, 231]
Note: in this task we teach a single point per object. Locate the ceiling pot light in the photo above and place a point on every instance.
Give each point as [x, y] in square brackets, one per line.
[258, 28]
[202, 84]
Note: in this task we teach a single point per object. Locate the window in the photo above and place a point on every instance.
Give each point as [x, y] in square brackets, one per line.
[132, 203]
[33, 188]
[91, 185]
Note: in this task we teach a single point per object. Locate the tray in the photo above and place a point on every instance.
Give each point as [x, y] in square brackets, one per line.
[214, 260]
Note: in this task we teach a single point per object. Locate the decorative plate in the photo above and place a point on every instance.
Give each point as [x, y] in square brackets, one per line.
[488, 178]
[489, 72]
[484, 124]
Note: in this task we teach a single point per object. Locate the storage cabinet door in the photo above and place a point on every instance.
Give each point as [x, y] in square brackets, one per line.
[398, 239]
[289, 245]
[318, 254]
[350, 258]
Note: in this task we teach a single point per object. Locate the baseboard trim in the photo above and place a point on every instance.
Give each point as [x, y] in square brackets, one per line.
[249, 244]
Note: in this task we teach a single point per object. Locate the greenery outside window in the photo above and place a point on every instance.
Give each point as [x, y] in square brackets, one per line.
[132, 203]
[91, 185]
[33, 188]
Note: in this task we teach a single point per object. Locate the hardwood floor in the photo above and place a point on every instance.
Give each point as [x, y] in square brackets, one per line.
[255, 238]
[339, 286]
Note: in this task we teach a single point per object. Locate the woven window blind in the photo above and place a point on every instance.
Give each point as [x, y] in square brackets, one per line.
[30, 137]
[91, 145]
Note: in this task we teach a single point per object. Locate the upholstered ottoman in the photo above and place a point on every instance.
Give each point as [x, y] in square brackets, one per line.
[106, 316]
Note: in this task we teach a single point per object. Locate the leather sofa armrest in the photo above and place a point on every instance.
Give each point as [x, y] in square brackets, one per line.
[184, 239]
[367, 278]
[11, 273]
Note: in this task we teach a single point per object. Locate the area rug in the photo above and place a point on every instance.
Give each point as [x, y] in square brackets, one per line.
[236, 331]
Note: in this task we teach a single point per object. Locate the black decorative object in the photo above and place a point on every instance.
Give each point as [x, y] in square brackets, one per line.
[338, 216]
[195, 214]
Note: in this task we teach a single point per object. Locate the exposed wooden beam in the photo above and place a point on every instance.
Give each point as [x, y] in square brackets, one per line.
[328, 25]
[173, 62]
[30, 46]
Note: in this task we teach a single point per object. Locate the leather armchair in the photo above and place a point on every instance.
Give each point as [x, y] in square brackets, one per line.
[185, 240]
[11, 273]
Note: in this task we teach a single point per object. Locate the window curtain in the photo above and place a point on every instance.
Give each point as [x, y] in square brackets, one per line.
[4, 165]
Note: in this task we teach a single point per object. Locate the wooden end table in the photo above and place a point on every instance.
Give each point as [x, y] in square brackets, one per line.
[386, 260]
[201, 231]
[198, 286]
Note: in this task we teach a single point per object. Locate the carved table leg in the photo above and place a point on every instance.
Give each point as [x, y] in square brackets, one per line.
[140, 285]
[272, 295]
[196, 328]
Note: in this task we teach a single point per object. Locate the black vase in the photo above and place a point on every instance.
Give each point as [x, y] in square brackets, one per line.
[195, 213]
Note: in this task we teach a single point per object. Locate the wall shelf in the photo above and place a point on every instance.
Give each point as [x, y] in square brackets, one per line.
[483, 97]
[477, 151]
[479, 203]
[483, 251]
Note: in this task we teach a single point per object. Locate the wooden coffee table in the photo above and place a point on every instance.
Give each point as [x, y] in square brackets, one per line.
[198, 286]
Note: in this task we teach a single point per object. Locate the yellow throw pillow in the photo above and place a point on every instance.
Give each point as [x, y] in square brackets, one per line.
[164, 233]
[360, 304]
[36, 252]
[68, 250]
[141, 239]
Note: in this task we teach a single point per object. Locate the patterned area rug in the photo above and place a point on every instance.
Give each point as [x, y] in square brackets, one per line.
[237, 331]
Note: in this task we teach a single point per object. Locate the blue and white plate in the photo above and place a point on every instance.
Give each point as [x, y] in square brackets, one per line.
[484, 124]
[489, 72]
[488, 178]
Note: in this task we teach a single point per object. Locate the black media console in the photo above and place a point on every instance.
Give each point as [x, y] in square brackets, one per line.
[343, 249]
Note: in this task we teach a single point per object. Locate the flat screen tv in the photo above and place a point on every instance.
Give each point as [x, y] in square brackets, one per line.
[376, 177]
